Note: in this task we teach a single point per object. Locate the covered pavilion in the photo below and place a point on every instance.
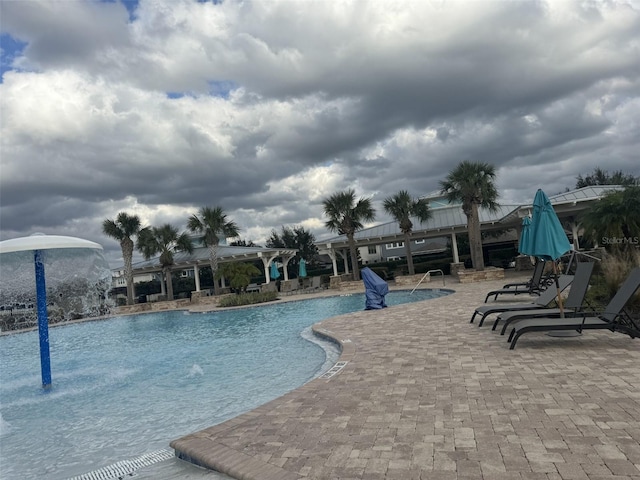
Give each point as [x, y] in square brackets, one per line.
[200, 257]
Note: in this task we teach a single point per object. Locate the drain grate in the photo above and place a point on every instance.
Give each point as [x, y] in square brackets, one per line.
[126, 468]
[333, 370]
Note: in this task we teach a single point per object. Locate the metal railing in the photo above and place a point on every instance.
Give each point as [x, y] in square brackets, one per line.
[428, 274]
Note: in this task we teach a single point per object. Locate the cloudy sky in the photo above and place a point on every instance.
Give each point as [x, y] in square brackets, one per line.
[265, 108]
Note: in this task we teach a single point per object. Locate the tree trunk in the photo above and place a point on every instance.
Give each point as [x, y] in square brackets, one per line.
[407, 247]
[476, 244]
[167, 275]
[354, 258]
[213, 261]
[127, 255]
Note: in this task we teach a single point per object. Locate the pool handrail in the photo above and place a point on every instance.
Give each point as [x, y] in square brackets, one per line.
[429, 274]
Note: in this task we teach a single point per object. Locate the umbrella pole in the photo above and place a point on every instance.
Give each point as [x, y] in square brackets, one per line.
[555, 274]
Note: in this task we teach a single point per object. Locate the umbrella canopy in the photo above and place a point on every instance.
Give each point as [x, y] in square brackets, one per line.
[548, 240]
[275, 274]
[524, 246]
[302, 268]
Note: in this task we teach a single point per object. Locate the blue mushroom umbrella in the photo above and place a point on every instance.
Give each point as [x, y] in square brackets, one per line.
[302, 268]
[548, 240]
[275, 274]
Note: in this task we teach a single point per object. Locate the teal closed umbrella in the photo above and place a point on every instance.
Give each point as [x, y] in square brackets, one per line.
[275, 274]
[524, 246]
[302, 268]
[548, 240]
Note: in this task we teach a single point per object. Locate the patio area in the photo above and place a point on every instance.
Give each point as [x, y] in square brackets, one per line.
[424, 394]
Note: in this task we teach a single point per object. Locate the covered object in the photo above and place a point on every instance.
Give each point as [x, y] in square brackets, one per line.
[375, 289]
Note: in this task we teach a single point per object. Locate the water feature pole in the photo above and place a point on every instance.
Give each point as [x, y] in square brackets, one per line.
[43, 319]
[38, 243]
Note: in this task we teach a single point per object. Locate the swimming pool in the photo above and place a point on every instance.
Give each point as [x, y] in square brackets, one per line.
[129, 385]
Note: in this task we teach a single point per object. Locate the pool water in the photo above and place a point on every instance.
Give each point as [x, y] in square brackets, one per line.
[129, 385]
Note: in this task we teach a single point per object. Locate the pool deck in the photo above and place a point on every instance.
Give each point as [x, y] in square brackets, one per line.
[424, 394]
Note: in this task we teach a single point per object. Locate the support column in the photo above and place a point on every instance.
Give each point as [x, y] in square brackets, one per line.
[265, 263]
[332, 256]
[454, 248]
[285, 263]
[196, 274]
[345, 257]
[456, 266]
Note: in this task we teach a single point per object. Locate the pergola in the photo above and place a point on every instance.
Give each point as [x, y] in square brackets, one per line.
[450, 220]
[200, 257]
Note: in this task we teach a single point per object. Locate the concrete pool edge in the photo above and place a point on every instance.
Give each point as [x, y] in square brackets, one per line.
[200, 448]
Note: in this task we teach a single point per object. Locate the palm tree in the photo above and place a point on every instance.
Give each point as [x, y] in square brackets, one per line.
[402, 207]
[615, 219]
[165, 240]
[212, 223]
[472, 184]
[122, 229]
[346, 217]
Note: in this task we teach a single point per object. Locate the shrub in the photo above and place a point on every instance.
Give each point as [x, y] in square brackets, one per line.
[614, 269]
[247, 299]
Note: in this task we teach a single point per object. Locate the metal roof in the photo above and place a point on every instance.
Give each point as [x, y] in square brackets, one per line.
[594, 192]
[443, 221]
[451, 219]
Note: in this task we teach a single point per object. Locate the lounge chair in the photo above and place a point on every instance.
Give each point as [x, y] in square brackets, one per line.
[614, 317]
[533, 287]
[542, 301]
[539, 265]
[572, 305]
[314, 285]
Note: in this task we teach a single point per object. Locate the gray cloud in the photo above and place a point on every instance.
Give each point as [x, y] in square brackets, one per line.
[280, 104]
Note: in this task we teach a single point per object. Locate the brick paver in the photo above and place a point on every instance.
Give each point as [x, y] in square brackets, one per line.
[426, 395]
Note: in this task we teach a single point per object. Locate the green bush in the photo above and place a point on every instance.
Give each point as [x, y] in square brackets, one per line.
[247, 299]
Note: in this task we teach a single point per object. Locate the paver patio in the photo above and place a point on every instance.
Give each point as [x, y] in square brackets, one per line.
[427, 395]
